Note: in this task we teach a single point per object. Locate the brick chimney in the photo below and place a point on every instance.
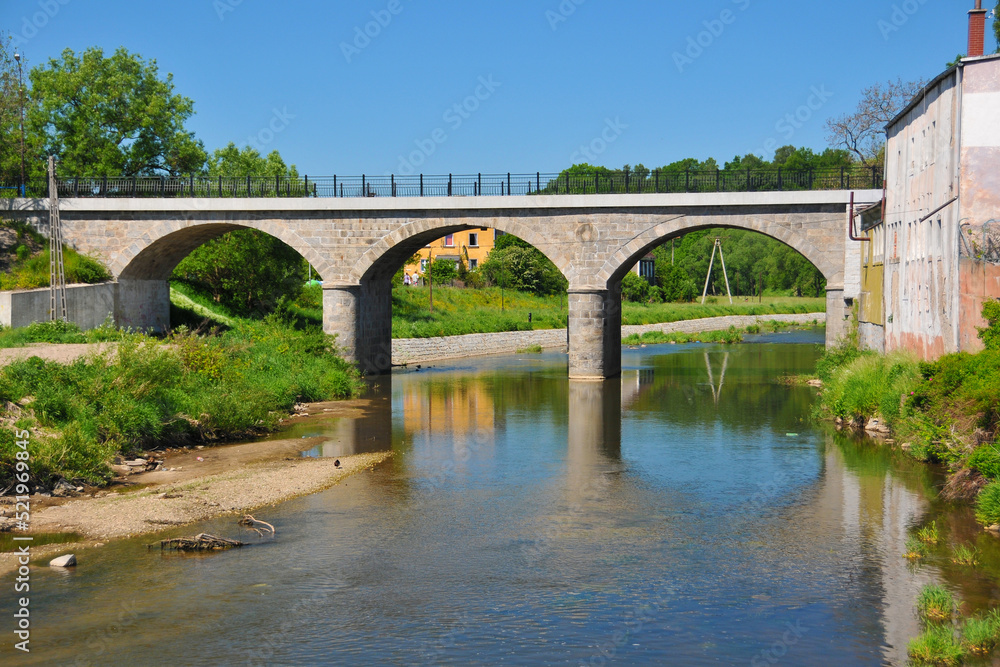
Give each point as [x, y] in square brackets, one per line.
[977, 30]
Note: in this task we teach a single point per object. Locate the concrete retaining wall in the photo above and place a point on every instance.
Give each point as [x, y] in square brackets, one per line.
[138, 304]
[421, 350]
[86, 305]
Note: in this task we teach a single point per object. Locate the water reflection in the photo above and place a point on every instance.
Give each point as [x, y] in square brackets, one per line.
[524, 518]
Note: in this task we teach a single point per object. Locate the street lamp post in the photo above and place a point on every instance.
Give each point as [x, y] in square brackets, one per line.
[20, 94]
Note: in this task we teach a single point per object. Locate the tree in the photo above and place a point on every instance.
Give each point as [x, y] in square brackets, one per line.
[112, 116]
[444, 271]
[247, 271]
[11, 98]
[862, 131]
[522, 268]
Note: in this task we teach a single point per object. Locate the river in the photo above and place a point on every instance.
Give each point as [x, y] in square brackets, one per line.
[690, 512]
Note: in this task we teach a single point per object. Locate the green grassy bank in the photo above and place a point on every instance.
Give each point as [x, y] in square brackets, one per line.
[946, 411]
[463, 311]
[149, 393]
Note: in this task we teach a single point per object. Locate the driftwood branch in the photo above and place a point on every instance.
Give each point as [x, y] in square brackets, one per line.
[200, 542]
[249, 521]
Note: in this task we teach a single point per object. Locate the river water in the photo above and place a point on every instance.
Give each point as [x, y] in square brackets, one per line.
[687, 513]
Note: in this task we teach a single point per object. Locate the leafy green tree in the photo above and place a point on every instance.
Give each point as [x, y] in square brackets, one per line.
[522, 268]
[247, 271]
[635, 288]
[112, 116]
[444, 271]
[11, 98]
[996, 24]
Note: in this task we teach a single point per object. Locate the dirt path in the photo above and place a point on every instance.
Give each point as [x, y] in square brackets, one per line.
[63, 353]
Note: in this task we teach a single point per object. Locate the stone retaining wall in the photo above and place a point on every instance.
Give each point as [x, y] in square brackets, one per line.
[421, 350]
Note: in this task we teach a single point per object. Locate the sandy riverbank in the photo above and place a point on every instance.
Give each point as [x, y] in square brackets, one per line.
[231, 479]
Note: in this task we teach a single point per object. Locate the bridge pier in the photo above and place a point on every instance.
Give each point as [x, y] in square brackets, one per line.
[361, 318]
[838, 314]
[595, 332]
[143, 304]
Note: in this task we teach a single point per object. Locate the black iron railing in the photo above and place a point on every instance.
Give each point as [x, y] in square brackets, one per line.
[450, 185]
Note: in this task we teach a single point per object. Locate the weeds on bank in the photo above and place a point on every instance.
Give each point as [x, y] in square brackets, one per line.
[915, 549]
[144, 394]
[936, 646]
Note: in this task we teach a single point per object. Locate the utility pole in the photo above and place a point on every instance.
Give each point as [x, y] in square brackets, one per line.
[430, 272]
[20, 93]
[57, 271]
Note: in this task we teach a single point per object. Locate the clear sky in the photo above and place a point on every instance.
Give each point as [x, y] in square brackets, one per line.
[534, 80]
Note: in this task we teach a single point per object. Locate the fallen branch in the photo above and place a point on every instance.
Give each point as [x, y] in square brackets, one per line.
[249, 521]
[200, 542]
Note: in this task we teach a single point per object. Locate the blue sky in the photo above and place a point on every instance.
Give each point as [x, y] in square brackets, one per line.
[534, 80]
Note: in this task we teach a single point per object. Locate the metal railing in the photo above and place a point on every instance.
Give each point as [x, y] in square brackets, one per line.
[450, 185]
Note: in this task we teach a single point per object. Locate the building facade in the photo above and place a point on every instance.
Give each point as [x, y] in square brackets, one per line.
[469, 247]
[930, 259]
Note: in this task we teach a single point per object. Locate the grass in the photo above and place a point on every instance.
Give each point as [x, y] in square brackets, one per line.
[33, 271]
[729, 336]
[964, 555]
[531, 349]
[145, 394]
[55, 332]
[988, 504]
[915, 549]
[935, 604]
[936, 646]
[929, 534]
[461, 311]
[980, 634]
[870, 385]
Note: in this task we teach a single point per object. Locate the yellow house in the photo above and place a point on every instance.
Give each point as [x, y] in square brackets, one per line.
[470, 246]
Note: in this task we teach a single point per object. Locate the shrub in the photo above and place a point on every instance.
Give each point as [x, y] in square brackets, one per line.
[635, 288]
[986, 459]
[990, 334]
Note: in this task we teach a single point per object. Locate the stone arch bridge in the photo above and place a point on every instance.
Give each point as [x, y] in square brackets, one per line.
[357, 244]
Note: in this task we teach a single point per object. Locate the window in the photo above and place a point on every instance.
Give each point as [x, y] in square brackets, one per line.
[473, 240]
[423, 266]
[473, 264]
[449, 241]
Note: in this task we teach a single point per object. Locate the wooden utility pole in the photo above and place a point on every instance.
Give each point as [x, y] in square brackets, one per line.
[711, 262]
[430, 273]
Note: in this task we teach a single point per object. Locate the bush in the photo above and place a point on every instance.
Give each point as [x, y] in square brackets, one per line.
[522, 268]
[635, 288]
[986, 459]
[990, 335]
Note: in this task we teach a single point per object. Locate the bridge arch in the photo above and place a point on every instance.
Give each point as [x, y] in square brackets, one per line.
[158, 250]
[386, 255]
[621, 262]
